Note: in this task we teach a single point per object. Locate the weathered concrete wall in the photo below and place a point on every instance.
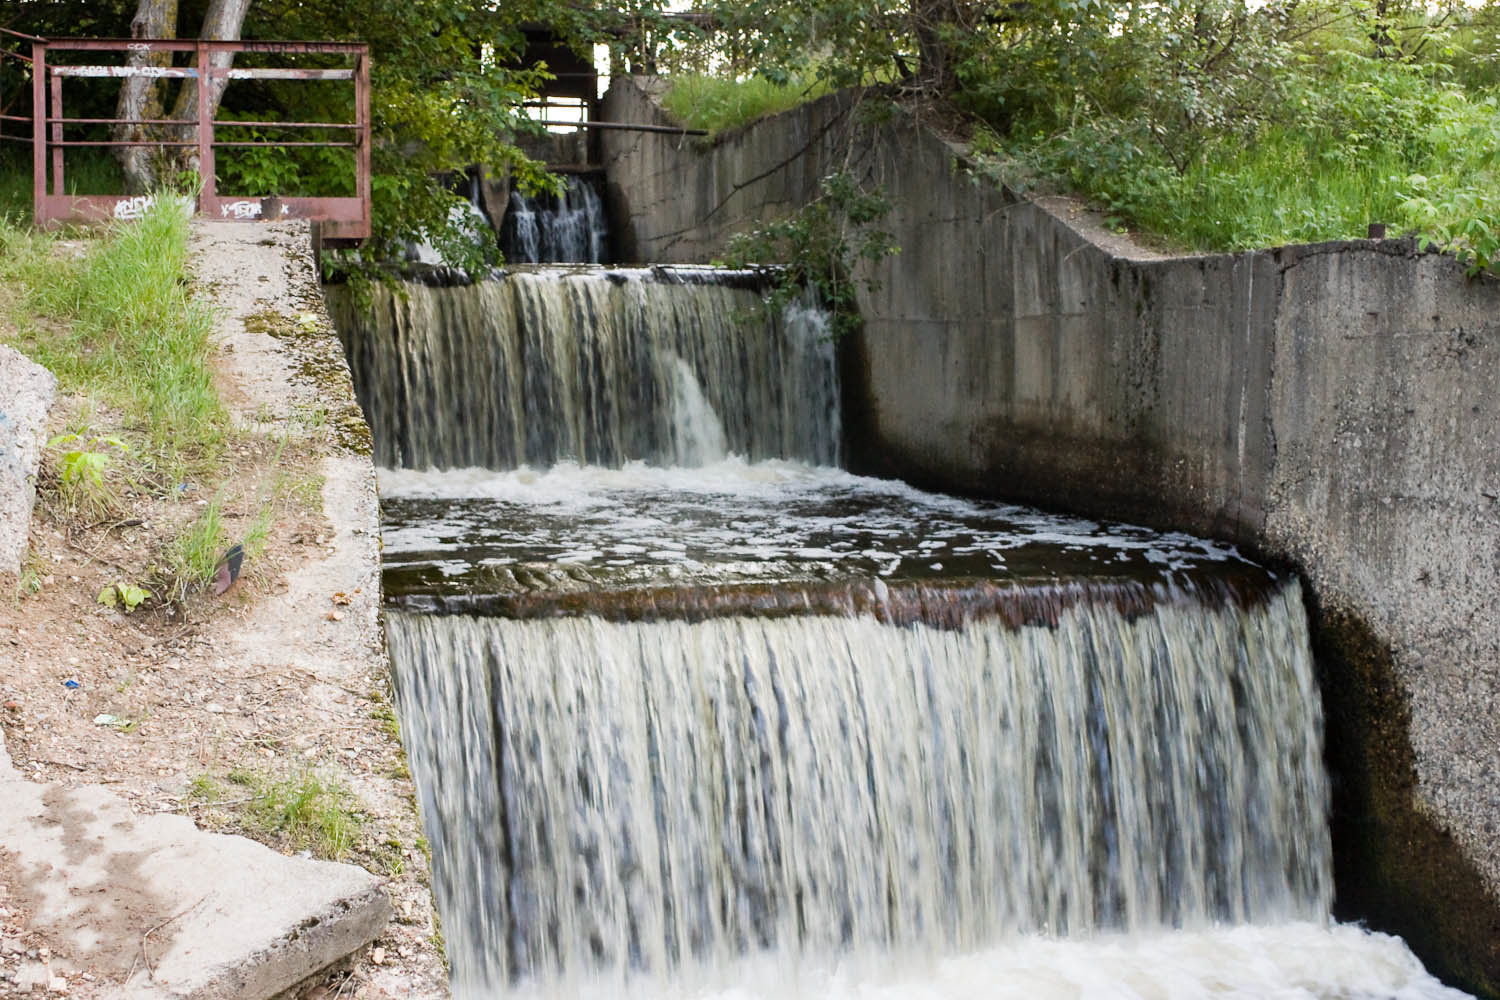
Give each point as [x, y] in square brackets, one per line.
[1336, 406]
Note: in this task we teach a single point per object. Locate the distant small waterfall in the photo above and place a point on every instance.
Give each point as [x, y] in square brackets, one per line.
[546, 228]
[600, 367]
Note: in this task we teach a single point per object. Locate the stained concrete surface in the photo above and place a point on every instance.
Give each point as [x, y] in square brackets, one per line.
[175, 911]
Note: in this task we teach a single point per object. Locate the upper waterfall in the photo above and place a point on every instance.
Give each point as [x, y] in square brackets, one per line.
[666, 366]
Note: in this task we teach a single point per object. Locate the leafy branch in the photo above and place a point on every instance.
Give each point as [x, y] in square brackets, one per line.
[819, 248]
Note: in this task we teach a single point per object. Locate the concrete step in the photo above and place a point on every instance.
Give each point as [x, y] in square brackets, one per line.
[169, 909]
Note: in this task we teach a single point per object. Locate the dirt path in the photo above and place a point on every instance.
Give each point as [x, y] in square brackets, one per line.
[230, 709]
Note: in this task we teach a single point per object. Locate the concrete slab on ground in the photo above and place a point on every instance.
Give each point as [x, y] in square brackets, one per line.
[26, 391]
[180, 912]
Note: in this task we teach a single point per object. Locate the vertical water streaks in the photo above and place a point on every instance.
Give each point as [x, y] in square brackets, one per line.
[595, 367]
[566, 228]
[632, 798]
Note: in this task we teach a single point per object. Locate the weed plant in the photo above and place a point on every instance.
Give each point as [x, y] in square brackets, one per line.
[302, 812]
[193, 555]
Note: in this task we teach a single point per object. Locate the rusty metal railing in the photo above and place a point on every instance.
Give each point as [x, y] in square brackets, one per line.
[342, 219]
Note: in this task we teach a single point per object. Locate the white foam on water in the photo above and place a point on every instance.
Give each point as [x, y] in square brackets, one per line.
[1298, 961]
[736, 509]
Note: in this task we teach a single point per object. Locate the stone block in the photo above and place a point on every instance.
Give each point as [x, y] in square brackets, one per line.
[26, 392]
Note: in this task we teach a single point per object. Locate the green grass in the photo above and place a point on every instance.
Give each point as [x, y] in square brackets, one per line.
[303, 812]
[1284, 186]
[716, 104]
[120, 323]
[193, 554]
[86, 171]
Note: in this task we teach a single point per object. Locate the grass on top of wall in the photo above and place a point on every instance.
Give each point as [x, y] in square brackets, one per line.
[717, 104]
[1285, 186]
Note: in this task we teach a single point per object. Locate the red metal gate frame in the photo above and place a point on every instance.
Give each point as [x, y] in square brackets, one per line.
[342, 219]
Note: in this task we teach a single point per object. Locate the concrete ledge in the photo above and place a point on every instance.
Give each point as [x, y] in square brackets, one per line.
[194, 914]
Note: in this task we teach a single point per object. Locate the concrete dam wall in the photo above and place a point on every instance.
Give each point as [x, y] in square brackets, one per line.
[1335, 407]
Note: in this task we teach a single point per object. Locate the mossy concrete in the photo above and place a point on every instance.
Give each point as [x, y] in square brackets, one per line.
[1332, 407]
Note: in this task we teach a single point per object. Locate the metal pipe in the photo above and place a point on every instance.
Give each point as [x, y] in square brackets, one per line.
[285, 74]
[626, 127]
[220, 144]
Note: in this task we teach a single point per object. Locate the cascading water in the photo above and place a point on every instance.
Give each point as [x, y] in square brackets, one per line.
[691, 711]
[547, 229]
[599, 367]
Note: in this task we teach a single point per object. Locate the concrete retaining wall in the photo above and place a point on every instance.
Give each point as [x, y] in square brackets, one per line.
[1335, 406]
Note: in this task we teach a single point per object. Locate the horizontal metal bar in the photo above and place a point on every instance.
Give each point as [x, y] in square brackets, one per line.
[275, 124]
[285, 73]
[155, 72]
[119, 142]
[14, 55]
[192, 45]
[330, 145]
[184, 122]
[119, 121]
[15, 138]
[22, 34]
[248, 209]
[14, 118]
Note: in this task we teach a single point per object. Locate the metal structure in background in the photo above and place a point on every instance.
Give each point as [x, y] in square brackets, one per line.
[343, 220]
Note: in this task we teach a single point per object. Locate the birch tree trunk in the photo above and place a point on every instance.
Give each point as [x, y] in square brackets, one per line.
[140, 96]
[222, 23]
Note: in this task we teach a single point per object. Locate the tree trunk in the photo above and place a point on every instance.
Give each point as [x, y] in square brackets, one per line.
[140, 96]
[931, 21]
[222, 23]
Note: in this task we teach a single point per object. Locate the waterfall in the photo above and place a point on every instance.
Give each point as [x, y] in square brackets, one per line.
[546, 228]
[692, 712]
[633, 797]
[597, 367]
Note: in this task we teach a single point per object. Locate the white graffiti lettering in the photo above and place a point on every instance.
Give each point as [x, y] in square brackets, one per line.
[240, 210]
[134, 208]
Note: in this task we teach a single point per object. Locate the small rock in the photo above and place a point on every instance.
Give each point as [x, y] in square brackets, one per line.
[377, 955]
[214, 707]
[10, 946]
[58, 985]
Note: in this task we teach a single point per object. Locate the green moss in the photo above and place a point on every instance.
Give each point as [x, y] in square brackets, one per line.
[319, 361]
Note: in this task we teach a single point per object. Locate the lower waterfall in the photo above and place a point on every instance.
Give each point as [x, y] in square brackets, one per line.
[653, 793]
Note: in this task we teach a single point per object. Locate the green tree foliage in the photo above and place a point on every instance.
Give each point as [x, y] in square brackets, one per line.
[447, 94]
[1221, 124]
[817, 249]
